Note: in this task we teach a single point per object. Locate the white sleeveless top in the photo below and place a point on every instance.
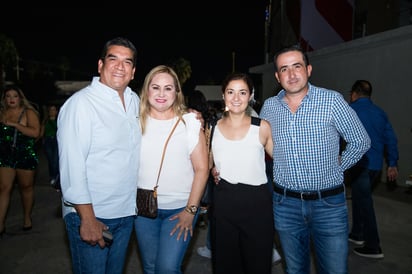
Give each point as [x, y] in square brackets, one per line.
[240, 161]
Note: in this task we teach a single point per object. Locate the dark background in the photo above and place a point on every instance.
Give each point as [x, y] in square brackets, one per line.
[205, 33]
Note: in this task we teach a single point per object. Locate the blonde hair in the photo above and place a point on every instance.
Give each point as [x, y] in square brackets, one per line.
[179, 107]
[24, 102]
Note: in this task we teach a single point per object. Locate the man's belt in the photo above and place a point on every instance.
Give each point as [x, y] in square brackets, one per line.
[309, 195]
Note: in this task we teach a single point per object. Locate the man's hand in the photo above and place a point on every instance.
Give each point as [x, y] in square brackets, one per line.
[198, 116]
[392, 173]
[216, 175]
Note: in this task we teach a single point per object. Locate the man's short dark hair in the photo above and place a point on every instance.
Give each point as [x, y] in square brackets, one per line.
[291, 48]
[119, 41]
[362, 88]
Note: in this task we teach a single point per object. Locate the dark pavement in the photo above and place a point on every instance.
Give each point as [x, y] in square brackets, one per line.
[44, 249]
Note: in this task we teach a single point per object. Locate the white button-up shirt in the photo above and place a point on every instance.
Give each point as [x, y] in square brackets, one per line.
[99, 143]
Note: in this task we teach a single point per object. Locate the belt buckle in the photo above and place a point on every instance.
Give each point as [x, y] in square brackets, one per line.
[305, 193]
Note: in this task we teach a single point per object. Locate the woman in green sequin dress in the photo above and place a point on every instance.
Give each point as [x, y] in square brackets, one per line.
[19, 129]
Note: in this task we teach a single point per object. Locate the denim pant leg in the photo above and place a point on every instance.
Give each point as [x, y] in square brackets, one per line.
[330, 227]
[363, 212]
[93, 259]
[208, 237]
[121, 228]
[161, 253]
[325, 221]
[52, 155]
[55, 158]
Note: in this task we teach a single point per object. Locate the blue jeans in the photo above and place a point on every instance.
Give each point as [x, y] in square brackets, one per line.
[52, 155]
[93, 259]
[323, 223]
[364, 224]
[161, 253]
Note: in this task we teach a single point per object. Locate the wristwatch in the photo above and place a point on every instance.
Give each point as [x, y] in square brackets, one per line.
[192, 209]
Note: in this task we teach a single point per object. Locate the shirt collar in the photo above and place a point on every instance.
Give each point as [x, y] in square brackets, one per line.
[108, 91]
[309, 95]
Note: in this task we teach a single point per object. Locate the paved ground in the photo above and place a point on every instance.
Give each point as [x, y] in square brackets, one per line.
[44, 249]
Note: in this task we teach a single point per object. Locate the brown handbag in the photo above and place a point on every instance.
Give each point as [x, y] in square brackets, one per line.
[146, 199]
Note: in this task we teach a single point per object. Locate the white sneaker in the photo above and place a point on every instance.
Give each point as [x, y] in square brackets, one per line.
[276, 258]
[204, 252]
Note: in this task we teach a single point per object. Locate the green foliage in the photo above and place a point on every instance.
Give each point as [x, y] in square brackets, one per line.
[8, 57]
[183, 69]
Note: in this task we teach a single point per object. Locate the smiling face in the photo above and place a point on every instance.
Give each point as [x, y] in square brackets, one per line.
[292, 72]
[237, 96]
[117, 69]
[161, 93]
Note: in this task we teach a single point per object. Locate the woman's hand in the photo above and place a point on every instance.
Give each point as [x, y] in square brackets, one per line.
[184, 225]
[10, 124]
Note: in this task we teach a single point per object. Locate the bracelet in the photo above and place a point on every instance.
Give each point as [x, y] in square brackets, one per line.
[188, 211]
[191, 209]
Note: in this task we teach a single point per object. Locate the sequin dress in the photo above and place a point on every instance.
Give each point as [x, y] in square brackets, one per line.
[23, 155]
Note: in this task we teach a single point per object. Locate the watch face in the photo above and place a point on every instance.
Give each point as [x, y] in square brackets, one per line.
[193, 209]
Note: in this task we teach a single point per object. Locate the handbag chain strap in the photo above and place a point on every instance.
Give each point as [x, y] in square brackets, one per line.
[163, 156]
[15, 129]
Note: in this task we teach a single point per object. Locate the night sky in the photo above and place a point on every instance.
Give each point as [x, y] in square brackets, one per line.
[203, 32]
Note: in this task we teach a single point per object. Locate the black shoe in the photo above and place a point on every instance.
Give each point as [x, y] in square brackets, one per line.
[27, 228]
[356, 240]
[369, 252]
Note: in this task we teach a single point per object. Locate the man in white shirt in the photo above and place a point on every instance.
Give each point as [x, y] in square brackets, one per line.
[99, 144]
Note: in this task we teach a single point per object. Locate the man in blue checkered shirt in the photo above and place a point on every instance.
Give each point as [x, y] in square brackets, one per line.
[309, 200]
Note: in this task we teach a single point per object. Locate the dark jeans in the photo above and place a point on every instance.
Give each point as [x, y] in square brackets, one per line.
[52, 154]
[92, 259]
[364, 224]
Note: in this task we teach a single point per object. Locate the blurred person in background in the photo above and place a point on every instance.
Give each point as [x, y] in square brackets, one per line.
[366, 172]
[197, 100]
[49, 138]
[19, 130]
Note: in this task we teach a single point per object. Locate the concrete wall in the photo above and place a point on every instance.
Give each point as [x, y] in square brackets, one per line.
[211, 92]
[69, 87]
[385, 59]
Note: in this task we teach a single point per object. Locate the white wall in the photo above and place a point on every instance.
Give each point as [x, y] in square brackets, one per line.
[385, 59]
[211, 92]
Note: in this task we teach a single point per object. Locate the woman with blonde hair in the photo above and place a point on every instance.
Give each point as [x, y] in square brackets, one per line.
[19, 129]
[163, 240]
